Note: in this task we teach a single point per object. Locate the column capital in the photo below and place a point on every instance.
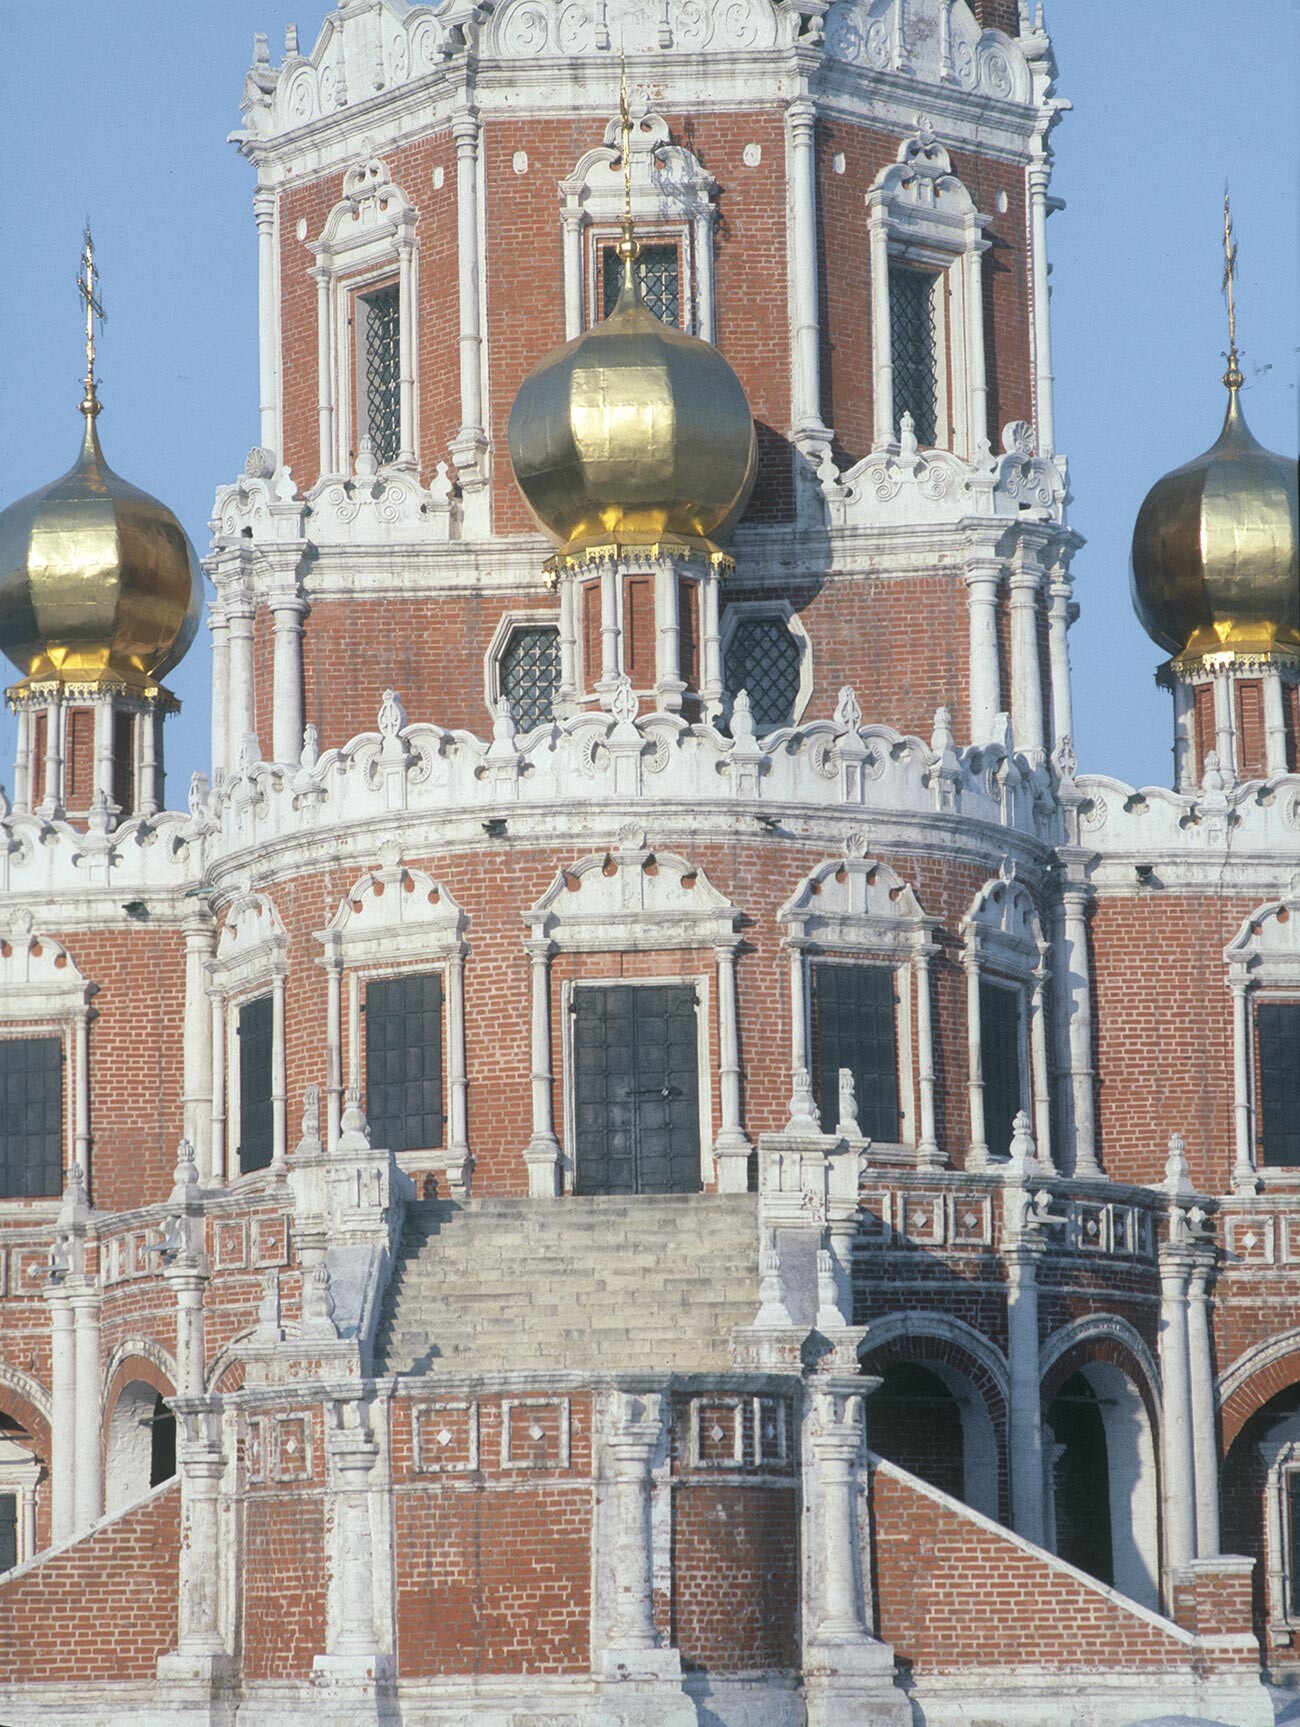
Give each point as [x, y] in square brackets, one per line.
[802, 115]
[264, 201]
[466, 130]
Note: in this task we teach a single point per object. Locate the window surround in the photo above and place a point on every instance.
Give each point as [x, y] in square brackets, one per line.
[1280, 1452]
[367, 237]
[633, 899]
[673, 197]
[399, 919]
[508, 623]
[358, 315]
[43, 993]
[252, 959]
[1263, 964]
[745, 609]
[19, 1473]
[855, 909]
[920, 215]
[1003, 944]
[700, 983]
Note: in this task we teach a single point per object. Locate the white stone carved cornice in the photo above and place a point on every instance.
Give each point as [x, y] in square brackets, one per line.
[1184, 839]
[899, 484]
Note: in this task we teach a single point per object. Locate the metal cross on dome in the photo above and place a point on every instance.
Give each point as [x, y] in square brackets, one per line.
[1232, 377]
[88, 288]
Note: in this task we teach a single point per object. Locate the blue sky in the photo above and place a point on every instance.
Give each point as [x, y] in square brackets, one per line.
[120, 109]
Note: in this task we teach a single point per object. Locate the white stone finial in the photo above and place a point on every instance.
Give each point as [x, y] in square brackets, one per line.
[1023, 1159]
[848, 710]
[803, 1105]
[1178, 1179]
[354, 1135]
[318, 1304]
[185, 1177]
[847, 1125]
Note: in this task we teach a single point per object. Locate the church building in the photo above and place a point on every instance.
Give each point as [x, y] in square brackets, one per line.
[644, 1148]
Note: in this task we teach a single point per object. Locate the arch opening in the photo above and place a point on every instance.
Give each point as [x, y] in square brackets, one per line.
[928, 1418]
[141, 1450]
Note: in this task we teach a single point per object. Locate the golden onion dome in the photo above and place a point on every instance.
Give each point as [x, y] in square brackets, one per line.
[633, 434]
[98, 581]
[1214, 549]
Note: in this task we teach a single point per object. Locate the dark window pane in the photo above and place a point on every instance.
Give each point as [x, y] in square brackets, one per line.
[404, 1061]
[1000, 1063]
[1293, 1531]
[31, 1117]
[763, 660]
[8, 1531]
[162, 1447]
[658, 276]
[256, 1130]
[1278, 1026]
[382, 372]
[530, 674]
[854, 1026]
[912, 348]
[636, 1089]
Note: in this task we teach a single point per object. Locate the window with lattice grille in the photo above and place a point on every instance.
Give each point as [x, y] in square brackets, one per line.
[659, 276]
[529, 674]
[914, 350]
[854, 1025]
[256, 1110]
[1277, 1035]
[380, 367]
[763, 660]
[31, 1117]
[1000, 1064]
[404, 1061]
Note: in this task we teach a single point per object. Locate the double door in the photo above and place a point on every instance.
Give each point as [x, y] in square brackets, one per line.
[636, 1089]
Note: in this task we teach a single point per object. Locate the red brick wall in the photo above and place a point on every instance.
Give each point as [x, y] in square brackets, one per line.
[953, 1593]
[284, 1585]
[1163, 1027]
[997, 15]
[735, 1576]
[104, 1609]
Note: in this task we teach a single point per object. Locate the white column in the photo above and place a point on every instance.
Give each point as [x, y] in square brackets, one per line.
[567, 694]
[800, 1054]
[1026, 673]
[354, 1032]
[63, 1415]
[801, 122]
[977, 393]
[52, 804]
[240, 716]
[1274, 723]
[23, 763]
[981, 578]
[325, 367]
[1040, 1071]
[217, 1148]
[669, 682]
[457, 1076]
[882, 362]
[470, 440]
[977, 1153]
[542, 1154]
[1225, 730]
[705, 223]
[1185, 763]
[333, 963]
[928, 1154]
[1244, 1174]
[220, 689]
[187, 1282]
[148, 722]
[353, 1647]
[836, 1444]
[732, 1147]
[104, 744]
[405, 352]
[1076, 995]
[200, 1647]
[81, 1086]
[631, 1446]
[279, 1093]
[268, 320]
[196, 1098]
[710, 648]
[572, 218]
[286, 726]
[89, 1471]
[1179, 1474]
[1058, 654]
[1024, 1410]
[609, 597]
[1040, 173]
[1204, 1443]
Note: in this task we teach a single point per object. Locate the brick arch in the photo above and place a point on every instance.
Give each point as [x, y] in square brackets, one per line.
[137, 1359]
[1254, 1379]
[1102, 1341]
[25, 1400]
[226, 1370]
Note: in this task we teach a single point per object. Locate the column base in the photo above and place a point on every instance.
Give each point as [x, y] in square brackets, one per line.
[353, 1673]
[642, 1688]
[731, 1155]
[206, 1670]
[542, 1160]
[851, 1684]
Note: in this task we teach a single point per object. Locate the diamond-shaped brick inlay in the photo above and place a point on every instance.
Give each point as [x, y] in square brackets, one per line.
[536, 1431]
[717, 1434]
[1251, 1239]
[443, 1436]
[969, 1219]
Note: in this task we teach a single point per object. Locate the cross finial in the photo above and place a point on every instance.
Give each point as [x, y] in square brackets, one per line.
[88, 288]
[1233, 376]
[629, 247]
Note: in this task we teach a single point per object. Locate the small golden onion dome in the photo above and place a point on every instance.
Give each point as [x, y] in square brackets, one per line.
[1214, 549]
[633, 434]
[98, 581]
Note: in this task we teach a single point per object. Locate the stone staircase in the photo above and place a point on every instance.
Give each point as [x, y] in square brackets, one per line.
[651, 1283]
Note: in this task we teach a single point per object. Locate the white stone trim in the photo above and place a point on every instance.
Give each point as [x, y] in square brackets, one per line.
[550, 618]
[1280, 1451]
[1263, 963]
[1003, 943]
[19, 1473]
[44, 994]
[252, 960]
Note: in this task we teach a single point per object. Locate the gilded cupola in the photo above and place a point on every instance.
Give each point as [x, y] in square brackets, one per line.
[633, 434]
[99, 584]
[1214, 550]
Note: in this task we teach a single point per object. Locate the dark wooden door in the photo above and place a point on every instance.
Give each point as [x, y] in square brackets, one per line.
[636, 1089]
